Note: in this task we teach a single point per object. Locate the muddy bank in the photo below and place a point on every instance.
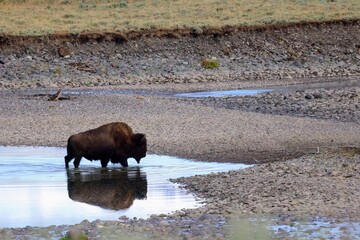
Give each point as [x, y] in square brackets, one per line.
[252, 54]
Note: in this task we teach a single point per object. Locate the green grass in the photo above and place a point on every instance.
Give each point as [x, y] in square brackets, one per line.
[210, 63]
[38, 17]
[246, 229]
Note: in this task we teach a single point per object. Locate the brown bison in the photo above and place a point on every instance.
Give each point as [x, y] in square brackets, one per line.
[114, 141]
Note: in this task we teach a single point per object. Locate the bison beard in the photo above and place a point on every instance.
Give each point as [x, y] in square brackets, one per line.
[113, 142]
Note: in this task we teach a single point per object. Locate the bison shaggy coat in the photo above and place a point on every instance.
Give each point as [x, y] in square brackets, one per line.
[113, 142]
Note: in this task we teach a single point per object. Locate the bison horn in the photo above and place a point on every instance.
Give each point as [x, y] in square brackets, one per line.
[139, 138]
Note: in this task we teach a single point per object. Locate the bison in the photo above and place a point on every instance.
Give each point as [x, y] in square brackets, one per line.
[114, 141]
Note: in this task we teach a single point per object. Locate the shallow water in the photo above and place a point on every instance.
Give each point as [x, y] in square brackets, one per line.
[320, 228]
[225, 93]
[37, 190]
[354, 82]
[255, 91]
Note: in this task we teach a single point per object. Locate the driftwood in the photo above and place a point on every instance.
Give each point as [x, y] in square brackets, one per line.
[57, 96]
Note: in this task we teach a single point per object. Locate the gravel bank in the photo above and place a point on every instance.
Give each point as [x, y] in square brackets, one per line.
[286, 187]
[341, 104]
[173, 127]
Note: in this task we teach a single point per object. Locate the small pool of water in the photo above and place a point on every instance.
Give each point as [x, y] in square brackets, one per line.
[255, 91]
[224, 93]
[37, 190]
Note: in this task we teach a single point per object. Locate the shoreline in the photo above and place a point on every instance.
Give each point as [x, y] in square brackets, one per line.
[175, 125]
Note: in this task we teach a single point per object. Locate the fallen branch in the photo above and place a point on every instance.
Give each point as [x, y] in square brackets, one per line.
[57, 96]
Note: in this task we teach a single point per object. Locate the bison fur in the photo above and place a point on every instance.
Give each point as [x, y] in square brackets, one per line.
[113, 142]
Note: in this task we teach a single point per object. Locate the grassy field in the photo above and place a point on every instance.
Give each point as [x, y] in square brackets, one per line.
[39, 17]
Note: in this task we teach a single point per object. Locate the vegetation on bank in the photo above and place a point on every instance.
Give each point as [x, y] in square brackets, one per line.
[39, 17]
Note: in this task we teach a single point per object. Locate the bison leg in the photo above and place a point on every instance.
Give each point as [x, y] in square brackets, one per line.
[77, 162]
[124, 163]
[104, 162]
[121, 160]
[67, 160]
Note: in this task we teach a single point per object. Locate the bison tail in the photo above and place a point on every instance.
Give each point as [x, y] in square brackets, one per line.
[70, 153]
[70, 150]
[68, 147]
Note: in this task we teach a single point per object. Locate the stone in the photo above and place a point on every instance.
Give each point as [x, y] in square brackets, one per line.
[75, 234]
[164, 223]
[64, 51]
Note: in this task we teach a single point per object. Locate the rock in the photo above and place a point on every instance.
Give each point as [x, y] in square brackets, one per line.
[75, 234]
[308, 96]
[64, 51]
[124, 218]
[154, 216]
[164, 223]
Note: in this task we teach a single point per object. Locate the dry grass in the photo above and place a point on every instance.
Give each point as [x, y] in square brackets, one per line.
[38, 17]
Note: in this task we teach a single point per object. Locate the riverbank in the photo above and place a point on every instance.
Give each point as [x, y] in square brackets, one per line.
[307, 50]
[305, 163]
[284, 189]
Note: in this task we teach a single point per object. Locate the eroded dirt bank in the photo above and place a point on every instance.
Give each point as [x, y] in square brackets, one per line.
[283, 52]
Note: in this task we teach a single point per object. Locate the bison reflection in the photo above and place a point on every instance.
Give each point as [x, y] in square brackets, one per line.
[107, 188]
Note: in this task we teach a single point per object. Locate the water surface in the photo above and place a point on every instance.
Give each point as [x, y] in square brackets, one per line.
[224, 93]
[37, 190]
[256, 91]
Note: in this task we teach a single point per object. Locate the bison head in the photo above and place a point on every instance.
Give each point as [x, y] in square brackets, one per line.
[140, 146]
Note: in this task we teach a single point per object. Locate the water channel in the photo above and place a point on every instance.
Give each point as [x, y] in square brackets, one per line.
[37, 190]
[228, 93]
[255, 91]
